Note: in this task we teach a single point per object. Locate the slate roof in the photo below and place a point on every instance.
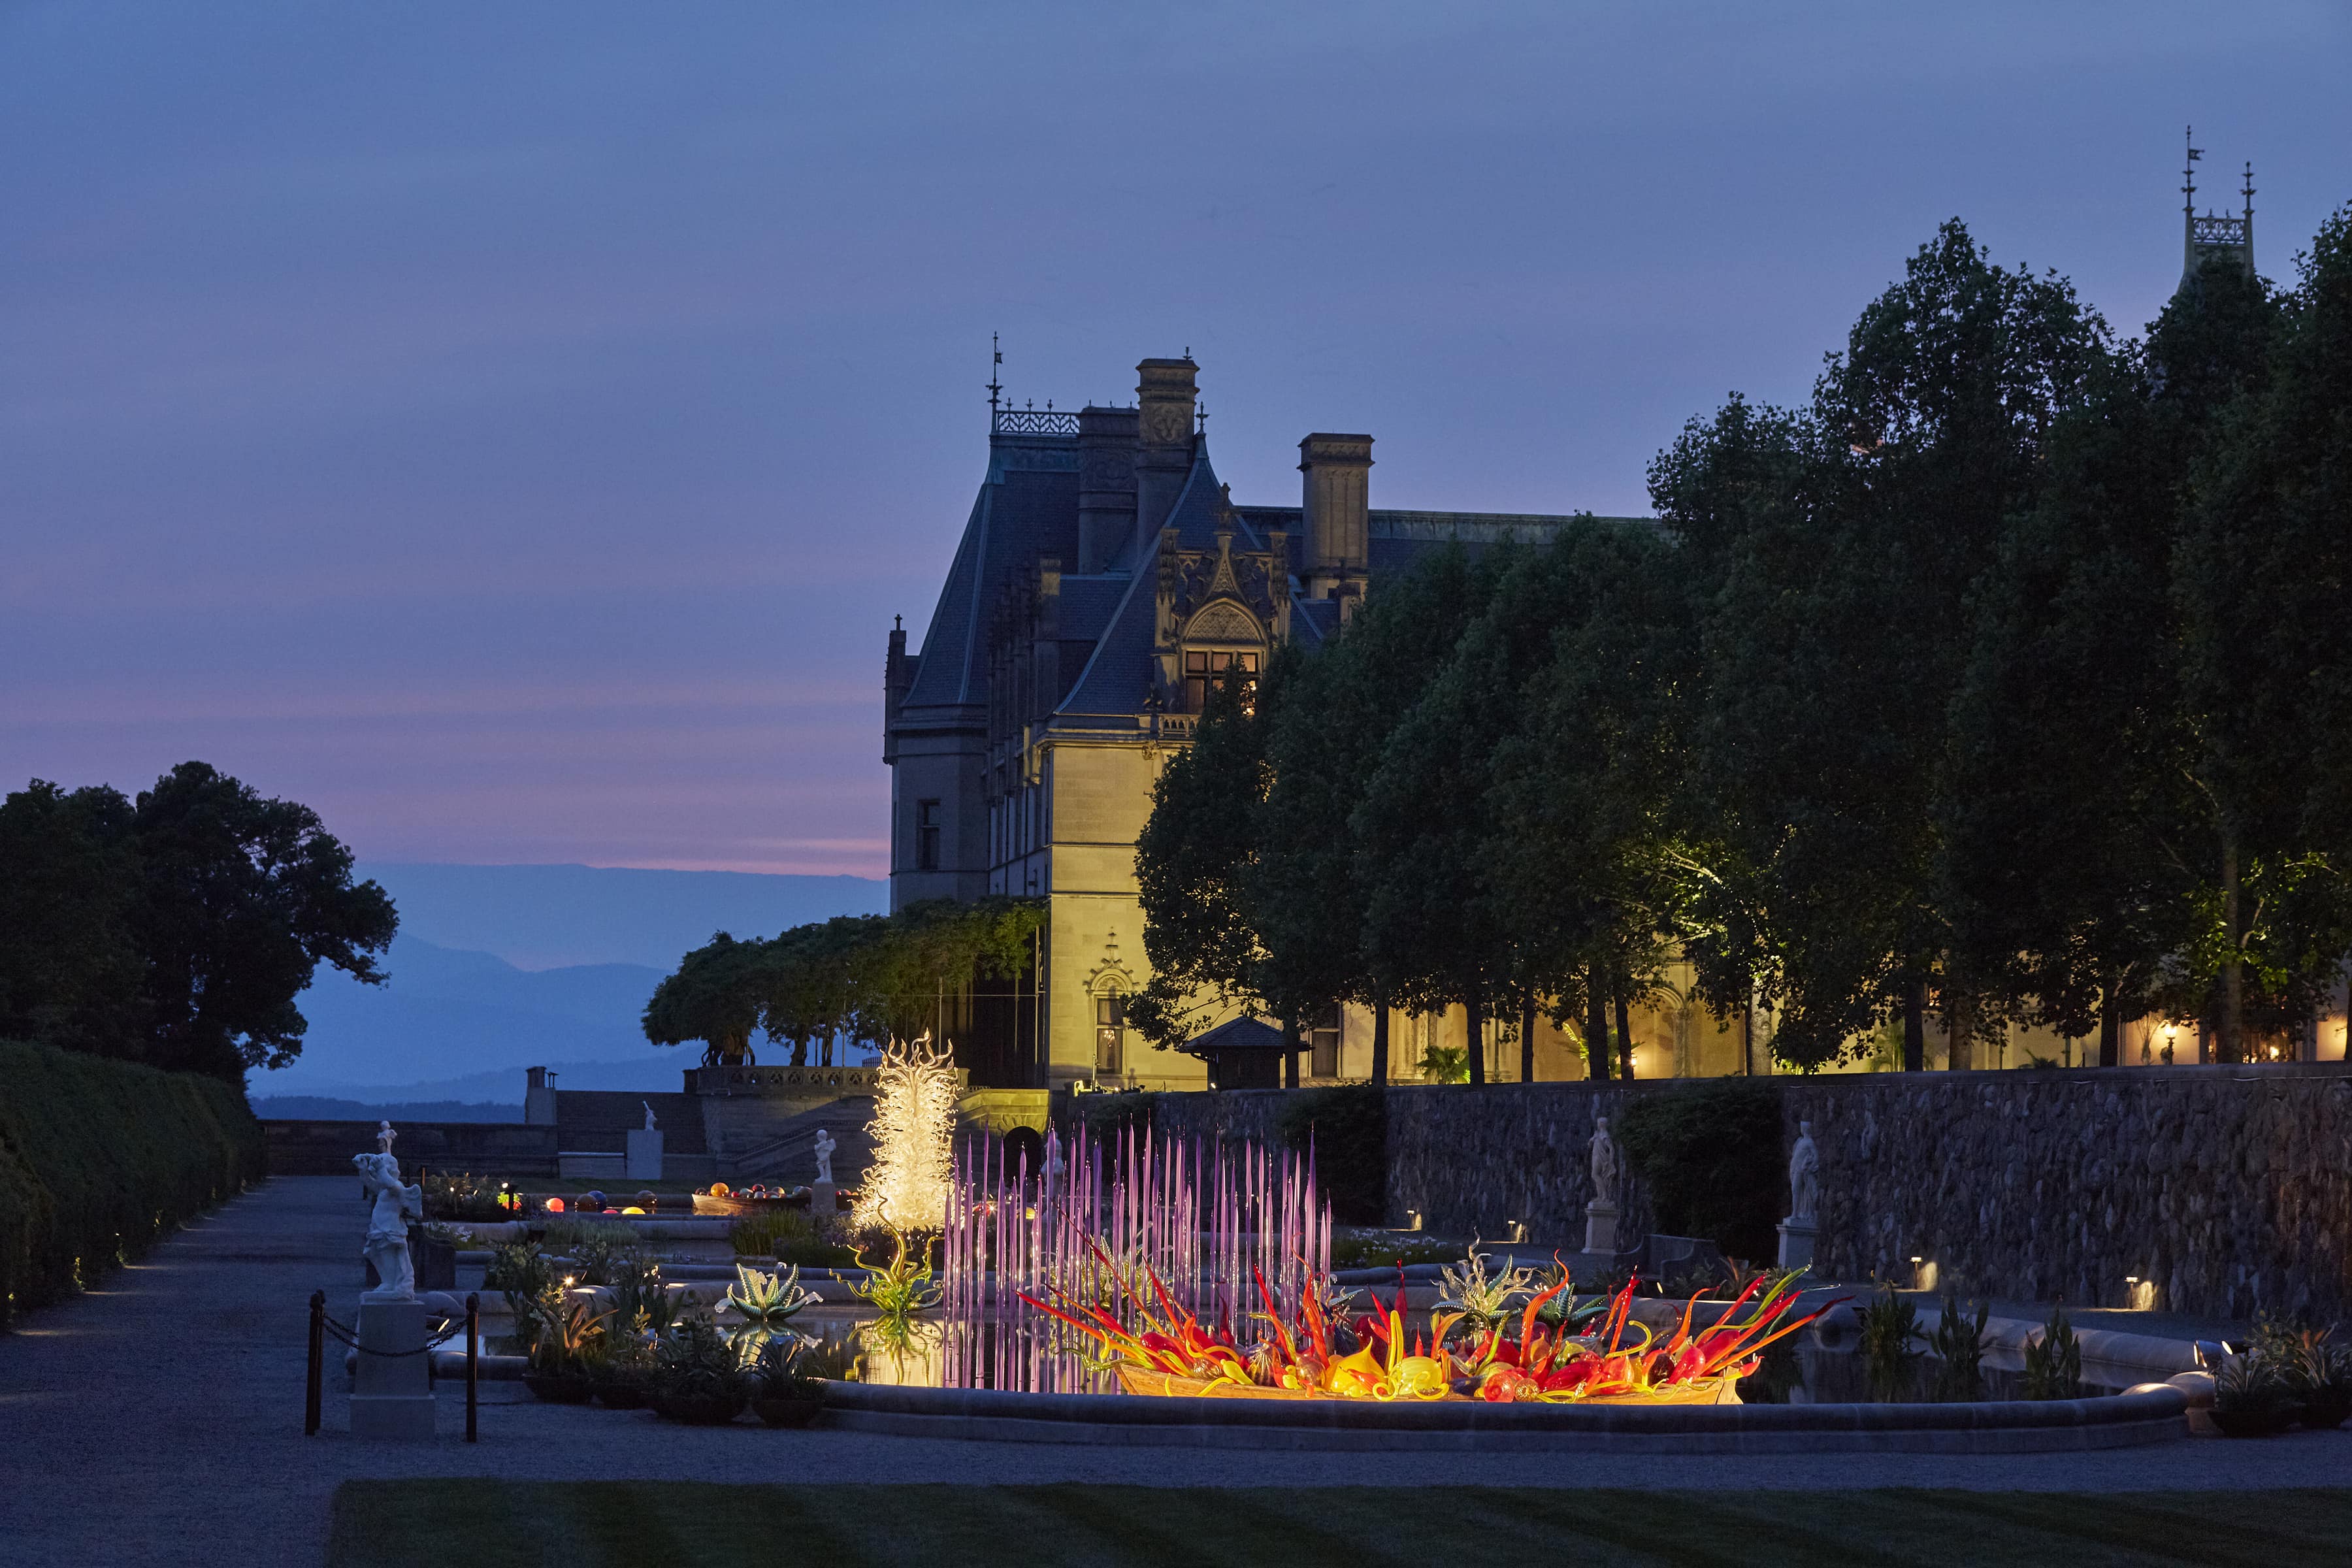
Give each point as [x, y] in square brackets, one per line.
[1021, 514]
[1028, 507]
[1117, 674]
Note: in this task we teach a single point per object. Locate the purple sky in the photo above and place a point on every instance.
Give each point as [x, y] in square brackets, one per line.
[510, 429]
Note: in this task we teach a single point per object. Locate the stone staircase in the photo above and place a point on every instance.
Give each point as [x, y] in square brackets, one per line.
[597, 1122]
[786, 1149]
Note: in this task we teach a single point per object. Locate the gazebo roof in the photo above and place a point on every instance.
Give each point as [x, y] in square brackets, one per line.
[1242, 1033]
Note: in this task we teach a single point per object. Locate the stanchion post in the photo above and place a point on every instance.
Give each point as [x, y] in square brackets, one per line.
[318, 1359]
[473, 1350]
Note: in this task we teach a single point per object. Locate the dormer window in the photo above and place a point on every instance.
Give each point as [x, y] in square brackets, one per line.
[1204, 668]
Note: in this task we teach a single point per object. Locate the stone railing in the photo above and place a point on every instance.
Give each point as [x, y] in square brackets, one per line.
[790, 1080]
[307, 1148]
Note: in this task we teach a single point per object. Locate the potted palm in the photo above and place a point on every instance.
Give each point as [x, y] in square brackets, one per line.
[792, 1374]
[2321, 1376]
[567, 1342]
[697, 1376]
[2251, 1397]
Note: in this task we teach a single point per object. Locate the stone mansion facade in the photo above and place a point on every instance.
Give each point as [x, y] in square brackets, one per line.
[1103, 580]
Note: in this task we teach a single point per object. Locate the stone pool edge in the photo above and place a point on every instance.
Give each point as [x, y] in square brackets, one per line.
[2001, 1427]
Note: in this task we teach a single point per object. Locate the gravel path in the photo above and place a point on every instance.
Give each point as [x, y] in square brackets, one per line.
[160, 1421]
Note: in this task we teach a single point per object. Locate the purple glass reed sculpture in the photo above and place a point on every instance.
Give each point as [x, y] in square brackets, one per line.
[1203, 1217]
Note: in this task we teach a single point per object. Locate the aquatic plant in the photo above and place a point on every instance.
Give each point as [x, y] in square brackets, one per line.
[2053, 1360]
[1890, 1326]
[1958, 1347]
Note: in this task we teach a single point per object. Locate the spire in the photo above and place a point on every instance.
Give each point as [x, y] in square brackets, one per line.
[995, 377]
[2215, 234]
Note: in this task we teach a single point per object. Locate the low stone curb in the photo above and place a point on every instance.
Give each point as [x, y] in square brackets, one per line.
[2145, 1416]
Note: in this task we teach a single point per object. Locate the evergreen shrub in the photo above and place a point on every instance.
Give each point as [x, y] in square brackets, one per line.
[1709, 1152]
[99, 1157]
[1348, 1126]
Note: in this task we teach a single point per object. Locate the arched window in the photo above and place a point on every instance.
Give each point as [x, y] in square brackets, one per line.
[1110, 1032]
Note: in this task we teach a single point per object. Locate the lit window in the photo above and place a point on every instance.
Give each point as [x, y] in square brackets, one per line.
[1204, 669]
[1324, 1041]
[1110, 1032]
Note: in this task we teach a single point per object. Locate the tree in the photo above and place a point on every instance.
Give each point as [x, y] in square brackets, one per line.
[1192, 864]
[240, 899]
[808, 982]
[1848, 540]
[714, 996]
[1331, 718]
[1584, 845]
[2263, 567]
[900, 975]
[1433, 932]
[2074, 838]
[71, 973]
[176, 930]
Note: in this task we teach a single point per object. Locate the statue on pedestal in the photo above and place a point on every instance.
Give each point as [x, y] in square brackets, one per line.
[825, 1147]
[1804, 1175]
[1802, 1225]
[649, 1113]
[1601, 1214]
[1604, 1163]
[393, 1206]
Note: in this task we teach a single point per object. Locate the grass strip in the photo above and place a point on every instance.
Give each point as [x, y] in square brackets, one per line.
[688, 1524]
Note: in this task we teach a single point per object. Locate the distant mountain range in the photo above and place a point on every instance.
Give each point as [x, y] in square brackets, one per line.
[497, 968]
[550, 917]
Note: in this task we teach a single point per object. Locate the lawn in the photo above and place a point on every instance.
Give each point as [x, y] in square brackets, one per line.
[674, 1524]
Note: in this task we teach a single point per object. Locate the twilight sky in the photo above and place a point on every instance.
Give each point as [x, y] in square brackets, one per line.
[510, 429]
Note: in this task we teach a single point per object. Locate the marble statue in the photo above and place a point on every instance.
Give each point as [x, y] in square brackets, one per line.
[383, 1137]
[1804, 1175]
[825, 1147]
[393, 1206]
[649, 1113]
[1604, 1163]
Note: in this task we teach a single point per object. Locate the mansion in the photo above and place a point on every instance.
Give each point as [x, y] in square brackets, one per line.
[1103, 580]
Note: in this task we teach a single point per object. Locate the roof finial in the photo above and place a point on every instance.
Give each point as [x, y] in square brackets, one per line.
[995, 367]
[1200, 407]
[2188, 172]
[2250, 192]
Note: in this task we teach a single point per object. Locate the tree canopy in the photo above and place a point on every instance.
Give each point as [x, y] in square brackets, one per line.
[1999, 680]
[864, 977]
[176, 929]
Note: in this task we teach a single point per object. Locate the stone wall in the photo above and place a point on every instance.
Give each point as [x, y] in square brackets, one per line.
[2228, 1188]
[300, 1147]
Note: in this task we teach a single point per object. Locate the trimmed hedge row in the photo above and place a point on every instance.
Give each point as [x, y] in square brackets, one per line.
[99, 1157]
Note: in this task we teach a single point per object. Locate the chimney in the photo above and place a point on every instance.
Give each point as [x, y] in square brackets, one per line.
[1105, 486]
[1166, 389]
[1335, 506]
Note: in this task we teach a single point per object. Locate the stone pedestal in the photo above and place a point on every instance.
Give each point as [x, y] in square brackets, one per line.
[390, 1395]
[645, 1154]
[1797, 1242]
[1600, 1227]
[824, 1201]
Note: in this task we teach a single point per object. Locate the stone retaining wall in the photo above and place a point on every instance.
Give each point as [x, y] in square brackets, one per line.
[301, 1148]
[2230, 1188]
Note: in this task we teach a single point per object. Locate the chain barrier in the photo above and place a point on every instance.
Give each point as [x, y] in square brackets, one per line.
[345, 1334]
[321, 1326]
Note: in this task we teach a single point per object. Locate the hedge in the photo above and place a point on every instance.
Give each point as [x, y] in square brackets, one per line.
[99, 1157]
[1710, 1151]
[1347, 1126]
